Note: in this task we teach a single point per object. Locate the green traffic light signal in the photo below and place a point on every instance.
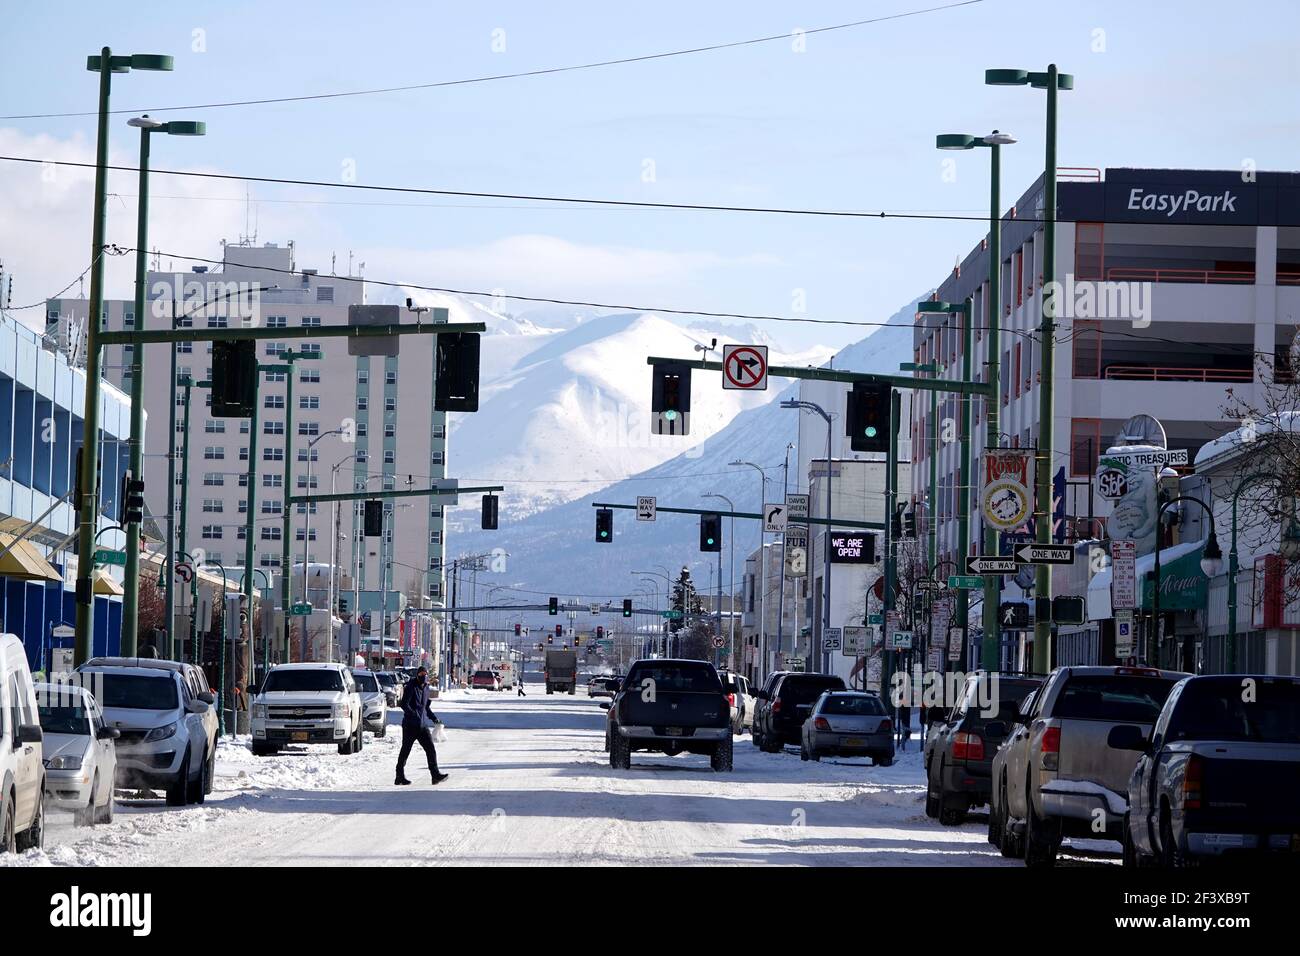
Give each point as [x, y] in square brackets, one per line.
[871, 431]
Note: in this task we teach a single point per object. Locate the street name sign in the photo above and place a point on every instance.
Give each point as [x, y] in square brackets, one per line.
[108, 556]
[965, 581]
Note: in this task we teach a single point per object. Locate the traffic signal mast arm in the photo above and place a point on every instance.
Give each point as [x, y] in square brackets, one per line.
[412, 493]
[839, 375]
[837, 522]
[150, 336]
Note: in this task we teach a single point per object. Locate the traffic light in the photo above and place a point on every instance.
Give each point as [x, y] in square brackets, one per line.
[456, 381]
[600, 632]
[1068, 609]
[234, 379]
[554, 606]
[670, 399]
[374, 519]
[559, 630]
[710, 532]
[604, 525]
[627, 607]
[577, 639]
[550, 639]
[131, 503]
[489, 522]
[519, 630]
[867, 421]
[909, 523]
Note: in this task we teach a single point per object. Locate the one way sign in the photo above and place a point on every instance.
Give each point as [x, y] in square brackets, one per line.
[1047, 554]
[981, 564]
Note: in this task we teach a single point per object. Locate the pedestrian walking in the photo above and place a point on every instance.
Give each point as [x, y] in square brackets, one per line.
[521, 686]
[418, 720]
[904, 725]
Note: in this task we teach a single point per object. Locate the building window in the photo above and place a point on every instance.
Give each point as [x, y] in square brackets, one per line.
[311, 321]
[243, 506]
[1087, 348]
[361, 455]
[435, 511]
[303, 454]
[390, 430]
[309, 428]
[274, 377]
[243, 453]
[272, 454]
[388, 483]
[436, 458]
[215, 426]
[309, 375]
[302, 507]
[311, 534]
[272, 428]
[435, 537]
[363, 430]
[1085, 446]
[214, 453]
[271, 507]
[312, 348]
[213, 505]
[273, 401]
[390, 377]
[276, 348]
[363, 377]
[309, 401]
[243, 479]
[270, 534]
[390, 457]
[218, 322]
[363, 403]
[244, 426]
[390, 404]
[211, 532]
[273, 481]
[185, 348]
[277, 321]
[304, 483]
[439, 431]
[214, 479]
[268, 560]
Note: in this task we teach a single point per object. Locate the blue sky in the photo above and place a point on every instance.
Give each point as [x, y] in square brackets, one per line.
[849, 123]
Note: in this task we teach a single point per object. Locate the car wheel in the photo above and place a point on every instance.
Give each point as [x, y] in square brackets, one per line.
[952, 809]
[382, 731]
[995, 825]
[620, 753]
[755, 738]
[1170, 855]
[886, 761]
[210, 772]
[178, 791]
[931, 799]
[104, 814]
[86, 816]
[1040, 844]
[34, 837]
[194, 790]
[7, 841]
[360, 739]
[803, 752]
[722, 755]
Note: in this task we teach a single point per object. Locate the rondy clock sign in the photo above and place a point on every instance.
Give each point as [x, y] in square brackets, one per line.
[1005, 498]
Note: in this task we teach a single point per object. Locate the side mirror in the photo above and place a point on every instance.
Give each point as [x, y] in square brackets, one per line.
[604, 705]
[995, 728]
[208, 697]
[1127, 737]
[30, 734]
[197, 707]
[107, 733]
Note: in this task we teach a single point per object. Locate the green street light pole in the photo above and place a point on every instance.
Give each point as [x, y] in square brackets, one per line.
[131, 573]
[1211, 565]
[1052, 81]
[990, 651]
[289, 358]
[105, 64]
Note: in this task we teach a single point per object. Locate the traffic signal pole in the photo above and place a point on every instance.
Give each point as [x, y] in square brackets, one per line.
[891, 560]
[177, 645]
[837, 522]
[964, 478]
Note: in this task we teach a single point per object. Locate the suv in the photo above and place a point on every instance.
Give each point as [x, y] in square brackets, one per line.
[959, 747]
[307, 704]
[166, 723]
[1218, 775]
[374, 701]
[760, 697]
[742, 702]
[22, 772]
[488, 680]
[670, 706]
[788, 705]
[1056, 775]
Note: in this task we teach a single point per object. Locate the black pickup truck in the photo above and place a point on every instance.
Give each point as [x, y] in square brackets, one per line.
[1218, 775]
[670, 707]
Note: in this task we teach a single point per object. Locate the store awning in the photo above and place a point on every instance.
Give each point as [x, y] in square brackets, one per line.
[1182, 583]
[105, 585]
[25, 562]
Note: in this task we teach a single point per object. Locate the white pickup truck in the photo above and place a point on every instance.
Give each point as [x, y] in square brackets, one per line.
[307, 704]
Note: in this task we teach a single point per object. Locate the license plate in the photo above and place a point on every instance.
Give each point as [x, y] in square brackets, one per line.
[674, 731]
[853, 742]
[299, 735]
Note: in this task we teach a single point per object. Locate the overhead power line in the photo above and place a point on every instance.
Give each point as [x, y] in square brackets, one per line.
[494, 77]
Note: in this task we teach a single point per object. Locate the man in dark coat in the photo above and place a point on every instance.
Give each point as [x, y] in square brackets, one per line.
[416, 715]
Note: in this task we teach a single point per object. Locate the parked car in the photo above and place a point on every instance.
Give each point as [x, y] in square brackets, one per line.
[741, 700]
[166, 722]
[374, 702]
[1056, 769]
[307, 703]
[22, 773]
[391, 686]
[848, 723]
[686, 713]
[788, 704]
[959, 748]
[80, 753]
[487, 680]
[1218, 774]
[761, 701]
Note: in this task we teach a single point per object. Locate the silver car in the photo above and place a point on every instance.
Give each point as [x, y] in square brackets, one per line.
[80, 755]
[163, 710]
[848, 723]
[374, 702]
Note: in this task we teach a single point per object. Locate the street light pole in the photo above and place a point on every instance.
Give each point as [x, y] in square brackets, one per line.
[731, 522]
[135, 442]
[1052, 81]
[762, 571]
[105, 64]
[1211, 565]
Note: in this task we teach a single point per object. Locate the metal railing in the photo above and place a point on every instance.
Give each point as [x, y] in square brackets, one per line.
[1196, 276]
[1160, 373]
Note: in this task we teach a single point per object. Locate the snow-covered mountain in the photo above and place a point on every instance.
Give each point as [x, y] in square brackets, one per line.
[554, 549]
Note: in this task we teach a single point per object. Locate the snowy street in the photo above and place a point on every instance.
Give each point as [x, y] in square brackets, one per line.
[531, 784]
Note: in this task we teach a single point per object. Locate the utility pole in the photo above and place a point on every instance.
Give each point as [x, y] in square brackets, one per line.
[177, 652]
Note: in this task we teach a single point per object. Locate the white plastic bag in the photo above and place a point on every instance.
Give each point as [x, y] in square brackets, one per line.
[439, 733]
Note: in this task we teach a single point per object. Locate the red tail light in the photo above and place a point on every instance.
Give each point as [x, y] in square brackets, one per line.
[886, 726]
[776, 706]
[821, 723]
[967, 747]
[731, 700]
[1193, 778]
[1051, 748]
